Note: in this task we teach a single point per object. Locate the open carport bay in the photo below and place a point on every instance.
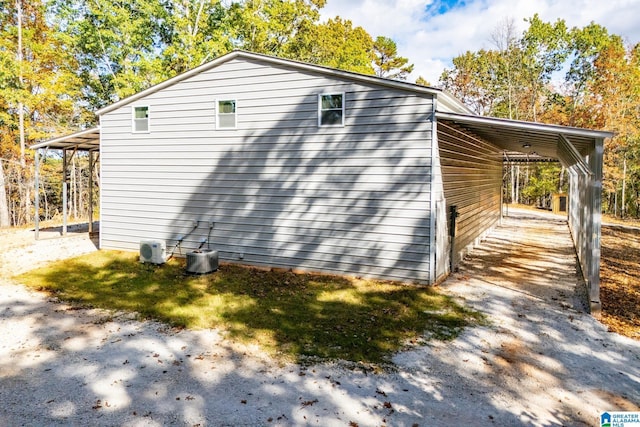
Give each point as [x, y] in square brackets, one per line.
[542, 360]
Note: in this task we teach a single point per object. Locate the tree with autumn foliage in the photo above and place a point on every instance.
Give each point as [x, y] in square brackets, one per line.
[62, 59]
[600, 90]
[39, 94]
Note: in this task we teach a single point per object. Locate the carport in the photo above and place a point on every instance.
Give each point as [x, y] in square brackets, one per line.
[580, 151]
[84, 141]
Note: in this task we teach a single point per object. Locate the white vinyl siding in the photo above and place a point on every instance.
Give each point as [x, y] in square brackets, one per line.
[226, 117]
[281, 191]
[331, 109]
[140, 119]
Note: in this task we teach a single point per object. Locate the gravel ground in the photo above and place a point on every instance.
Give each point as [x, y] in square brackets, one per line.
[542, 361]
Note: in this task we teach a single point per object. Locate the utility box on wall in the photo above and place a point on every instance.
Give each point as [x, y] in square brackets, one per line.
[559, 203]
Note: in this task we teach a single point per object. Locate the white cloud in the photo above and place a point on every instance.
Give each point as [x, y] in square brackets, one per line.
[430, 42]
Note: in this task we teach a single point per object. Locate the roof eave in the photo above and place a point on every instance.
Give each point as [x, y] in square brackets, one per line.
[64, 138]
[540, 127]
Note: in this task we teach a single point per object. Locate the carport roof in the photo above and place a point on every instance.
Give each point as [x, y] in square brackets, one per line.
[85, 140]
[543, 140]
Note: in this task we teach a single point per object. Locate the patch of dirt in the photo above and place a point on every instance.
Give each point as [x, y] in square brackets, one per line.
[20, 252]
[620, 279]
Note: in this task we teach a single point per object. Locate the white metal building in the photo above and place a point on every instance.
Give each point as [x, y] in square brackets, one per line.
[281, 163]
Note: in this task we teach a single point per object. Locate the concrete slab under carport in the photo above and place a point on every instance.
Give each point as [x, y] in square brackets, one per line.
[531, 253]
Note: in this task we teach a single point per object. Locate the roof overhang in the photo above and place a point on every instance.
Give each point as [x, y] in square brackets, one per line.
[85, 140]
[569, 145]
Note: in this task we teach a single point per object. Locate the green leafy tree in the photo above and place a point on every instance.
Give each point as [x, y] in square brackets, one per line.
[586, 44]
[545, 48]
[338, 44]
[196, 31]
[116, 45]
[274, 27]
[386, 61]
[422, 81]
[544, 180]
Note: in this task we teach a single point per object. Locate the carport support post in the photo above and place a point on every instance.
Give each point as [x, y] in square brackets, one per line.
[64, 192]
[36, 216]
[595, 164]
[90, 192]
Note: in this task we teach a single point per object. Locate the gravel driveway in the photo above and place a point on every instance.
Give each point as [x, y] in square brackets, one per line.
[541, 362]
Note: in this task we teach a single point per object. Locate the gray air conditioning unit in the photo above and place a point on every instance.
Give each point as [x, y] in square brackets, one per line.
[202, 261]
[153, 251]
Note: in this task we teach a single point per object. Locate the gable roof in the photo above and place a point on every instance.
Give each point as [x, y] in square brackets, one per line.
[444, 98]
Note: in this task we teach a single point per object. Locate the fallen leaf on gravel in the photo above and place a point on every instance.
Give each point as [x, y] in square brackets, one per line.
[309, 403]
[381, 392]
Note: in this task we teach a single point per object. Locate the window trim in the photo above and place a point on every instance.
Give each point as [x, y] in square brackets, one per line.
[133, 119]
[235, 113]
[320, 110]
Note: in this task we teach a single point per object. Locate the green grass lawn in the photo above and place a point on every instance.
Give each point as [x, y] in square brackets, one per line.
[301, 316]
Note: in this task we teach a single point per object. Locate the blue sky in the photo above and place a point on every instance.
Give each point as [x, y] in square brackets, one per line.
[431, 32]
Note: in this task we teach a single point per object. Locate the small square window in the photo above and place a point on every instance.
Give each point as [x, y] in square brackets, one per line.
[226, 117]
[141, 119]
[331, 110]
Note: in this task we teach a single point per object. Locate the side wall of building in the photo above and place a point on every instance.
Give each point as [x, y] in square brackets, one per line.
[585, 219]
[279, 189]
[472, 181]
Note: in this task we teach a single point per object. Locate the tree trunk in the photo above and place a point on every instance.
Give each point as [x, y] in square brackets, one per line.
[4, 206]
[513, 188]
[72, 188]
[623, 204]
[517, 184]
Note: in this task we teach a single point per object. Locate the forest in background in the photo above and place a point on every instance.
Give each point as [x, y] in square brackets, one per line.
[60, 60]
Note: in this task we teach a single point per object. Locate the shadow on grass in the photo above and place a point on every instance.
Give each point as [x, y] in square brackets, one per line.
[304, 316]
